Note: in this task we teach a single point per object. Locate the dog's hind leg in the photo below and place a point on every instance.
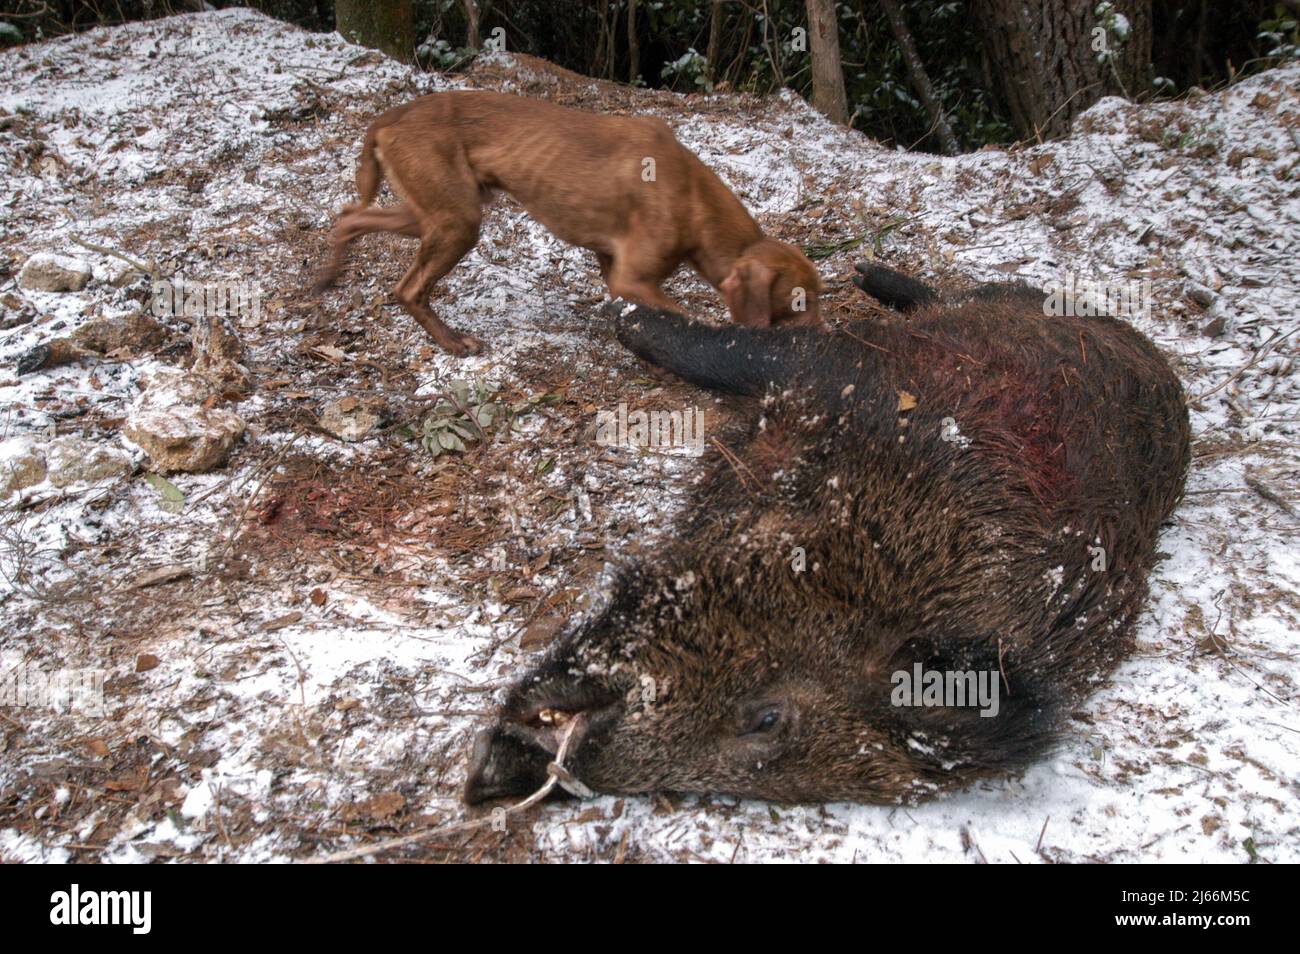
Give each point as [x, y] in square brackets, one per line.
[352, 225]
[443, 245]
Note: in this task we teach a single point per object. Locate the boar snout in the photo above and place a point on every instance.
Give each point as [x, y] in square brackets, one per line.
[503, 765]
[511, 758]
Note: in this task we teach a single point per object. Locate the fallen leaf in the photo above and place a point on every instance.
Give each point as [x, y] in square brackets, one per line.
[906, 400]
[1039, 163]
[128, 784]
[99, 747]
[377, 806]
[162, 574]
[146, 661]
[540, 632]
[280, 622]
[173, 498]
[331, 353]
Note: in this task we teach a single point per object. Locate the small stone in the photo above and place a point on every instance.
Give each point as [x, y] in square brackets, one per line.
[1216, 321]
[349, 419]
[170, 422]
[75, 460]
[1215, 328]
[130, 334]
[1201, 295]
[54, 273]
[218, 353]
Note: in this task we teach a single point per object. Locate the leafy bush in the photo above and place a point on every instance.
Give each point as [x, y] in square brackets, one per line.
[463, 415]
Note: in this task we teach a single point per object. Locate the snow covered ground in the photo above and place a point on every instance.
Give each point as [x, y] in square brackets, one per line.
[297, 646]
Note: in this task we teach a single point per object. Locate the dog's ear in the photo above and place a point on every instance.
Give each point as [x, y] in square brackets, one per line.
[748, 290]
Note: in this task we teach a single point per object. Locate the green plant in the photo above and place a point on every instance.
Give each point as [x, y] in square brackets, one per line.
[436, 53]
[1282, 34]
[691, 69]
[462, 415]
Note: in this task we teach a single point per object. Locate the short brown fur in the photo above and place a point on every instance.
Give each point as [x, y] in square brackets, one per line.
[584, 176]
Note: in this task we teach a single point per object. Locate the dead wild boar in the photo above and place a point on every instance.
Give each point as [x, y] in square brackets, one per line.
[972, 488]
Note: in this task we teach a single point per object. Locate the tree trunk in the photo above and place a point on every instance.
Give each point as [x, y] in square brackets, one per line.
[712, 66]
[827, 76]
[473, 36]
[633, 48]
[600, 56]
[919, 78]
[1048, 63]
[387, 25]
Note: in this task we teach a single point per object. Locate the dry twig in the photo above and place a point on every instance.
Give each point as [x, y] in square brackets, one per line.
[556, 774]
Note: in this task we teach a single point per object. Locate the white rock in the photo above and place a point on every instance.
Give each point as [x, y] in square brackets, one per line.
[75, 460]
[54, 273]
[22, 465]
[173, 427]
[64, 461]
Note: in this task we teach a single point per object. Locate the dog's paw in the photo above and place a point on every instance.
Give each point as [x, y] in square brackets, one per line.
[463, 345]
[323, 280]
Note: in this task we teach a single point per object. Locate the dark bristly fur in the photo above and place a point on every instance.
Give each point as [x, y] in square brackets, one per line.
[955, 533]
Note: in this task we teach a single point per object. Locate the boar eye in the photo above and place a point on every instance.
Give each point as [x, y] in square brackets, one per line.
[763, 720]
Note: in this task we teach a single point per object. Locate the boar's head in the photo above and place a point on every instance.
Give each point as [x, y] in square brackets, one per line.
[683, 688]
[919, 493]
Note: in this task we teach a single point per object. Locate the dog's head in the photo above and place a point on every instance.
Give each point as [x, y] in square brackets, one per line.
[772, 284]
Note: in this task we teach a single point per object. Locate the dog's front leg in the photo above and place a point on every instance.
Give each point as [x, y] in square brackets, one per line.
[642, 292]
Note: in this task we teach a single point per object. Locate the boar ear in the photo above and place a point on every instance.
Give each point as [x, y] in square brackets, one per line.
[748, 290]
[730, 359]
[893, 289]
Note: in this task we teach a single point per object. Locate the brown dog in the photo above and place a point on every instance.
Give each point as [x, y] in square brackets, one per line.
[623, 187]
